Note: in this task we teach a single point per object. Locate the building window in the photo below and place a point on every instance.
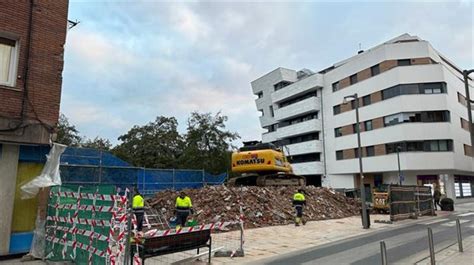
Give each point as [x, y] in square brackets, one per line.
[305, 158]
[353, 79]
[356, 152]
[433, 88]
[368, 125]
[302, 138]
[281, 85]
[370, 150]
[404, 62]
[339, 155]
[462, 99]
[261, 112]
[8, 61]
[271, 111]
[306, 117]
[366, 100]
[337, 132]
[260, 94]
[354, 127]
[336, 109]
[375, 70]
[298, 99]
[335, 87]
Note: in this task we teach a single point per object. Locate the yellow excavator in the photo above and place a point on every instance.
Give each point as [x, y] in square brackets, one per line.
[262, 164]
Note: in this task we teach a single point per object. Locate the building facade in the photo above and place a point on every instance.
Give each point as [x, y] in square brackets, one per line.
[32, 37]
[411, 100]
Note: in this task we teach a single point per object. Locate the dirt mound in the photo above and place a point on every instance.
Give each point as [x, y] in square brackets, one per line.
[262, 206]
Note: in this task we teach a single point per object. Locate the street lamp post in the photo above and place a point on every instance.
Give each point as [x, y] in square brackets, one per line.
[466, 74]
[365, 219]
[399, 170]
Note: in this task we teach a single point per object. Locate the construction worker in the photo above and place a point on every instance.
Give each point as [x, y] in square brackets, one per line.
[138, 206]
[298, 202]
[184, 207]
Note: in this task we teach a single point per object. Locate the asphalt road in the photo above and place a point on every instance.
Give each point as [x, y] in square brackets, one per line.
[407, 244]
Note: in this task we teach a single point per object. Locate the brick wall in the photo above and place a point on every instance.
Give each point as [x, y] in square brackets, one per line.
[49, 26]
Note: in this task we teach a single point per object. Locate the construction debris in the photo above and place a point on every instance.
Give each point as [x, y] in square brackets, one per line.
[261, 206]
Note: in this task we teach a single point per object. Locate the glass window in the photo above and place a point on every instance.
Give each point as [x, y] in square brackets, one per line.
[7, 61]
[366, 100]
[375, 70]
[408, 89]
[260, 94]
[271, 111]
[404, 62]
[368, 125]
[391, 92]
[339, 155]
[370, 150]
[337, 109]
[392, 119]
[356, 152]
[443, 145]
[354, 128]
[353, 79]
[335, 86]
[337, 132]
[434, 146]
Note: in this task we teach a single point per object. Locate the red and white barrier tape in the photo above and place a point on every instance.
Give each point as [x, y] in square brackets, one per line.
[90, 196]
[102, 208]
[74, 230]
[76, 244]
[81, 221]
[183, 230]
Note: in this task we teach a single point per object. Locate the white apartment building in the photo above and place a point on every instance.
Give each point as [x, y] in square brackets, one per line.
[411, 98]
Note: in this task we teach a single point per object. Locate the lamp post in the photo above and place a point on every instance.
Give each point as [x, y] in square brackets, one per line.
[399, 148]
[466, 74]
[365, 219]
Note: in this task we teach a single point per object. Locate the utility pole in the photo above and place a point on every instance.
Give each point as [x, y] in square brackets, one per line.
[365, 219]
[466, 74]
[399, 170]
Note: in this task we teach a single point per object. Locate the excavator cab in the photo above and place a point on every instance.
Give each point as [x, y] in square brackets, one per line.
[262, 164]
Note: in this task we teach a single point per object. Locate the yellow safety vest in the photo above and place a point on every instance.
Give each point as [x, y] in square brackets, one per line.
[299, 197]
[138, 202]
[183, 203]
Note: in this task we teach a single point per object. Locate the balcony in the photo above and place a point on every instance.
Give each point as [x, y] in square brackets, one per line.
[299, 128]
[269, 137]
[308, 168]
[305, 147]
[302, 107]
[307, 84]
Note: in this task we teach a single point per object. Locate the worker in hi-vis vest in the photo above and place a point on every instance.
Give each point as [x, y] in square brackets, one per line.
[298, 202]
[138, 206]
[184, 207]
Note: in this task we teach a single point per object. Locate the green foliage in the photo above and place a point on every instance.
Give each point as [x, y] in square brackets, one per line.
[67, 133]
[158, 144]
[208, 144]
[97, 143]
[155, 145]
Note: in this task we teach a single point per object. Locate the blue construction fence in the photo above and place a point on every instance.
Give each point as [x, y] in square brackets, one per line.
[148, 181]
[86, 166]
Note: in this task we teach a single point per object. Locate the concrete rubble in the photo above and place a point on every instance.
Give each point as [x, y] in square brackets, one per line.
[262, 206]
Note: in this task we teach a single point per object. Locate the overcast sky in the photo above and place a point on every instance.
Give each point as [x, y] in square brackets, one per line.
[128, 62]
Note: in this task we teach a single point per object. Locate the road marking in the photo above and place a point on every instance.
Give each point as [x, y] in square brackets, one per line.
[435, 221]
[466, 214]
[453, 223]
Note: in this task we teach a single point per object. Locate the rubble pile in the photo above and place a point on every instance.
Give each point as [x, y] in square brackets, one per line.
[262, 206]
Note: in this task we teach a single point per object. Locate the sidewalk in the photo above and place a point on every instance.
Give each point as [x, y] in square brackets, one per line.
[266, 242]
[451, 255]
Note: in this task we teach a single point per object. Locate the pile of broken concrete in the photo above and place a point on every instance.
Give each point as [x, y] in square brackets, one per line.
[261, 206]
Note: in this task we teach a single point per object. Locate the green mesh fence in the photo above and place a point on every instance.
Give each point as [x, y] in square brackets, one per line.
[77, 227]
